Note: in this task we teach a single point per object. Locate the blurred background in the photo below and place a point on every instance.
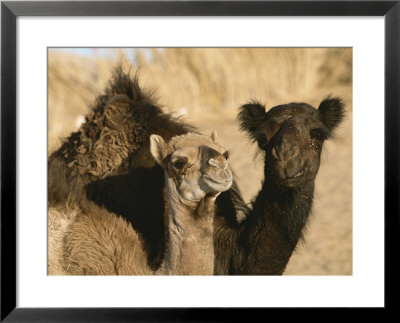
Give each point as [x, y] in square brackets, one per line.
[206, 86]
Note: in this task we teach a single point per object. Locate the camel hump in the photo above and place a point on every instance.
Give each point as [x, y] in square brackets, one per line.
[122, 83]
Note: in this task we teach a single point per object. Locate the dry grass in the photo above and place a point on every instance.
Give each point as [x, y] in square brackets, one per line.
[198, 80]
[207, 85]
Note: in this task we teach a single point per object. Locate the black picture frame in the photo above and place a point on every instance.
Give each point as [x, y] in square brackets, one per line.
[11, 10]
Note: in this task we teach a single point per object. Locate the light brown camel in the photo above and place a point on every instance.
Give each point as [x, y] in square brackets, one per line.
[196, 171]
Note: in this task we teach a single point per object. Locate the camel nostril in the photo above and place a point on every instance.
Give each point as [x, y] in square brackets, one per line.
[213, 162]
[296, 152]
[285, 152]
[274, 154]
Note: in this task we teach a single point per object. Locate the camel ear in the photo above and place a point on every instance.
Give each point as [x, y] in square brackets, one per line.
[214, 136]
[250, 117]
[331, 112]
[158, 148]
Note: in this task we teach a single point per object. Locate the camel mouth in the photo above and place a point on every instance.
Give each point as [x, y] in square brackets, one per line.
[296, 175]
[219, 185]
[288, 180]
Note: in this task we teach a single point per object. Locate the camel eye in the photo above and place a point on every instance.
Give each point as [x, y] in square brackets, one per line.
[226, 155]
[319, 134]
[180, 162]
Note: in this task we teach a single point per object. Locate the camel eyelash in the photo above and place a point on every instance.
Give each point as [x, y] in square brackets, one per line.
[226, 154]
[180, 162]
[319, 134]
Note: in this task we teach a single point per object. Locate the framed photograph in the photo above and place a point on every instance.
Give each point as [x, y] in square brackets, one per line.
[246, 151]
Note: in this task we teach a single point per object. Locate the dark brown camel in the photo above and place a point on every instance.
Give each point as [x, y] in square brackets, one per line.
[292, 136]
[108, 162]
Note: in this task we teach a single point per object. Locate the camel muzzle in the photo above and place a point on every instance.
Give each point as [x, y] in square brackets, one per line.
[287, 159]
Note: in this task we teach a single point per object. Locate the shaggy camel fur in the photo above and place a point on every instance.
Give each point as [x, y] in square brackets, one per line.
[106, 165]
[196, 171]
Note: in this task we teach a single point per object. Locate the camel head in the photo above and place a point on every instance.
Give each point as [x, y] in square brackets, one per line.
[292, 136]
[197, 165]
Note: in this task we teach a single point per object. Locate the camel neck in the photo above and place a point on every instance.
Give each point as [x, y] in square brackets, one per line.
[287, 208]
[190, 249]
[286, 197]
[273, 228]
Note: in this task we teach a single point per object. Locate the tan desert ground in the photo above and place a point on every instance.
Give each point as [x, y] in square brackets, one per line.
[206, 86]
